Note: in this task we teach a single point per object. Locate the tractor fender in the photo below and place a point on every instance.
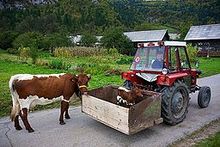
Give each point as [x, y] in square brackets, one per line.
[169, 79]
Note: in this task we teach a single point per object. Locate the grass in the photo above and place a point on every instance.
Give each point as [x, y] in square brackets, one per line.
[95, 65]
[209, 66]
[213, 141]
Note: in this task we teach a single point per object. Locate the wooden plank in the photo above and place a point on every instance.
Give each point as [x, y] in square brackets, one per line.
[108, 113]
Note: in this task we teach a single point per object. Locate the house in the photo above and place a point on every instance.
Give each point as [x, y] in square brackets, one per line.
[147, 36]
[206, 38]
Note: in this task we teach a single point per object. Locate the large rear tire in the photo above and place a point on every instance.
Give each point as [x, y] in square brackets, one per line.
[204, 97]
[175, 100]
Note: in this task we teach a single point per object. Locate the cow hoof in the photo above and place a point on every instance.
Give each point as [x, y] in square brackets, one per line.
[67, 117]
[30, 130]
[18, 128]
[62, 123]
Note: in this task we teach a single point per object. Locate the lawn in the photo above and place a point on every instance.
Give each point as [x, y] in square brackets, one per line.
[97, 66]
[213, 141]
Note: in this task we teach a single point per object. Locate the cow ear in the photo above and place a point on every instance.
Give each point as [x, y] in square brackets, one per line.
[89, 76]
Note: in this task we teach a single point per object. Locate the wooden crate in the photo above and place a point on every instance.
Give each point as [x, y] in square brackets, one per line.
[101, 105]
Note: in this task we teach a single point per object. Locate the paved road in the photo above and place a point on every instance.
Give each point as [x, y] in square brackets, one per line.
[83, 131]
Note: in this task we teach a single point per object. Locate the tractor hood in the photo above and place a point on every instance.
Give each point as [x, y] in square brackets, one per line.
[148, 77]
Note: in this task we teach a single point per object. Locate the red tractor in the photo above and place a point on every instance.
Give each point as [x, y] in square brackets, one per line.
[165, 67]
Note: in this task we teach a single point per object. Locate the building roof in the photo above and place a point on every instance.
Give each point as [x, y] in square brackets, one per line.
[204, 32]
[146, 36]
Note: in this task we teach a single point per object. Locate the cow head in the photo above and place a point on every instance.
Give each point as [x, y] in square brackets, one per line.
[137, 91]
[83, 80]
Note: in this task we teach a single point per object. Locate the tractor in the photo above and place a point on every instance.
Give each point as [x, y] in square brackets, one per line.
[164, 67]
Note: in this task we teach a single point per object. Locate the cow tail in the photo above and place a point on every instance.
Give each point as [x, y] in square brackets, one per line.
[16, 106]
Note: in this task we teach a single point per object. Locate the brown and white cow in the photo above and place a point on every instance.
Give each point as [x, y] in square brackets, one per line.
[129, 97]
[29, 90]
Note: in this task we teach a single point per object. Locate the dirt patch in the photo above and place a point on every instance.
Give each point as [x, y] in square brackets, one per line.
[203, 133]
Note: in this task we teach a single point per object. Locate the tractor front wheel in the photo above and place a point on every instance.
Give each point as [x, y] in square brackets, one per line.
[175, 100]
[204, 96]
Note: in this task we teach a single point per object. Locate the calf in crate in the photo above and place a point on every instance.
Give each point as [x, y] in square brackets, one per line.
[128, 98]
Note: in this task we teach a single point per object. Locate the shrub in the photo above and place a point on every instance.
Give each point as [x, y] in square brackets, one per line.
[6, 39]
[192, 53]
[24, 53]
[12, 51]
[58, 64]
[52, 41]
[88, 40]
[125, 60]
[29, 39]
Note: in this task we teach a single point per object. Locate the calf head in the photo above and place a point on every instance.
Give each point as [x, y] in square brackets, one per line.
[83, 80]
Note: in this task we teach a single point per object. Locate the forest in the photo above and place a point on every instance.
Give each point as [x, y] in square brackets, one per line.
[95, 16]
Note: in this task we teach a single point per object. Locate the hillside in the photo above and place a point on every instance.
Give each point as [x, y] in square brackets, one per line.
[95, 16]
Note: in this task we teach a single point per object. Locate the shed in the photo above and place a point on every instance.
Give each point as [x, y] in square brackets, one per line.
[206, 38]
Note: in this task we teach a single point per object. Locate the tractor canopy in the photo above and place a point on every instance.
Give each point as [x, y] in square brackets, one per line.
[150, 58]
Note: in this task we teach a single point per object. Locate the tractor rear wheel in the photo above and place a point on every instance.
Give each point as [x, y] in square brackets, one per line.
[175, 100]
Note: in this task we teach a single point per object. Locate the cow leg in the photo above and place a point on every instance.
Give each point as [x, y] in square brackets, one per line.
[17, 125]
[64, 106]
[67, 116]
[25, 120]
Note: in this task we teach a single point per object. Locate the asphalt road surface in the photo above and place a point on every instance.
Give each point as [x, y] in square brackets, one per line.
[83, 131]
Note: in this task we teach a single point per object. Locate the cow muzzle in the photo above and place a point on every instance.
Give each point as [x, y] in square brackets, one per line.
[83, 89]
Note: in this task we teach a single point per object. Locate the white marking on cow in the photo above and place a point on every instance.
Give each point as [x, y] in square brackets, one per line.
[21, 77]
[32, 101]
[124, 89]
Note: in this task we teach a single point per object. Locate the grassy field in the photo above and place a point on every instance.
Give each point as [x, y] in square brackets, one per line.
[213, 141]
[97, 66]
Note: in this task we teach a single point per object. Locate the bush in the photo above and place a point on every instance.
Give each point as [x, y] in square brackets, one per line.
[125, 60]
[29, 39]
[6, 39]
[52, 41]
[12, 51]
[58, 64]
[192, 53]
[88, 40]
[24, 53]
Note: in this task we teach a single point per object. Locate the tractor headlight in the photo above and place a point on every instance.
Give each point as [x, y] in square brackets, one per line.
[164, 71]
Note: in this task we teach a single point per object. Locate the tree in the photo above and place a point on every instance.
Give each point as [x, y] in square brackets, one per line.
[114, 38]
[88, 40]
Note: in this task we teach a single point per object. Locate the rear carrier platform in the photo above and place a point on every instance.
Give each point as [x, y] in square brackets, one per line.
[100, 104]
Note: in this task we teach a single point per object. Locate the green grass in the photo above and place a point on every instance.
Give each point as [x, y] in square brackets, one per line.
[209, 66]
[213, 141]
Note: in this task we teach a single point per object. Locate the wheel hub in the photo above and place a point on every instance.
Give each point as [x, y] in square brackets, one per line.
[177, 104]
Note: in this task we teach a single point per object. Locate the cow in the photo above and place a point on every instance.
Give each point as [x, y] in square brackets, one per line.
[29, 90]
[127, 97]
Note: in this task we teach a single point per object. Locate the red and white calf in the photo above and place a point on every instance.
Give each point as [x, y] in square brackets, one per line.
[129, 97]
[29, 90]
